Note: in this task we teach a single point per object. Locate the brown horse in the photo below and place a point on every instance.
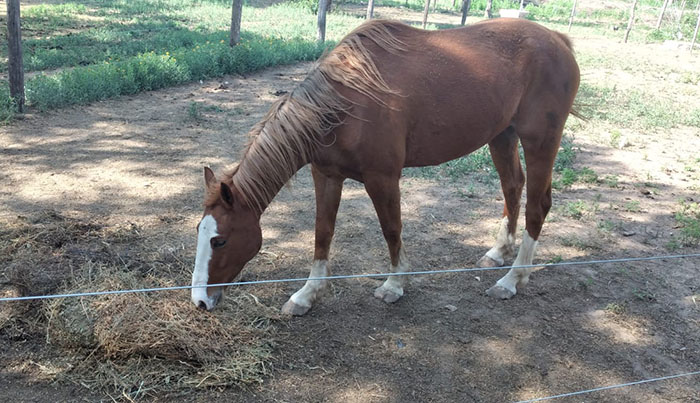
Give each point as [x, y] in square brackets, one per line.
[391, 96]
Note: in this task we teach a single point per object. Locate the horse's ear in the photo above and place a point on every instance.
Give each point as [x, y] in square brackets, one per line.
[226, 194]
[209, 177]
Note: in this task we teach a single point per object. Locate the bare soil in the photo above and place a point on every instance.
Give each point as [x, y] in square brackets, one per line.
[138, 160]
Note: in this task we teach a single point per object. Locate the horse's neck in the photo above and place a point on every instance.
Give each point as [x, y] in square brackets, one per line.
[265, 168]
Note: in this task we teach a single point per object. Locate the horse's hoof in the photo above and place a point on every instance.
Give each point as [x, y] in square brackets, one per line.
[499, 292]
[290, 308]
[386, 295]
[486, 261]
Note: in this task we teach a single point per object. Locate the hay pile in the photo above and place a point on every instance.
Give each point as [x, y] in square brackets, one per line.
[134, 344]
[159, 341]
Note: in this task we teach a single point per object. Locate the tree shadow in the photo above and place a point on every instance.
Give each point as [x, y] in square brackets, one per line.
[571, 328]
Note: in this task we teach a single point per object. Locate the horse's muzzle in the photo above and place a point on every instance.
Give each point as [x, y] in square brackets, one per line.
[204, 301]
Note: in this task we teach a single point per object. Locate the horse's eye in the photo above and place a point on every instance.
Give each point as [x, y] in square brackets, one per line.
[217, 242]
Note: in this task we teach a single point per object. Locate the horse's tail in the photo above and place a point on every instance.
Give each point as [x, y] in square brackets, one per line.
[576, 108]
[576, 111]
[565, 38]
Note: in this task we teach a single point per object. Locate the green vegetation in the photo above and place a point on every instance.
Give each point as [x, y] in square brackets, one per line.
[478, 162]
[632, 206]
[616, 308]
[151, 71]
[688, 218]
[644, 295]
[115, 47]
[575, 210]
[566, 155]
[610, 19]
[7, 104]
[569, 176]
[477, 8]
[635, 108]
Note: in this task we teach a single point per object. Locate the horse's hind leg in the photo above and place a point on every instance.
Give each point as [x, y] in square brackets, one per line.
[540, 152]
[386, 197]
[328, 193]
[504, 152]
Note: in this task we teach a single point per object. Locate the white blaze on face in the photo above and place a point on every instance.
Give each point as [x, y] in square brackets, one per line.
[200, 275]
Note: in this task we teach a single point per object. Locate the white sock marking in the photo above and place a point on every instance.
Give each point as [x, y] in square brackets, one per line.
[504, 243]
[520, 276]
[200, 275]
[395, 283]
[307, 294]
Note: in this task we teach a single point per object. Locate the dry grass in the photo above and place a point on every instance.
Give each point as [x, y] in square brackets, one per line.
[133, 344]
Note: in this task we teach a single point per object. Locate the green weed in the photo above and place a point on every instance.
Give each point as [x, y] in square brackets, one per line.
[574, 210]
[611, 181]
[632, 206]
[688, 219]
[7, 105]
[585, 283]
[644, 295]
[607, 226]
[556, 259]
[616, 308]
[569, 176]
[194, 111]
[566, 155]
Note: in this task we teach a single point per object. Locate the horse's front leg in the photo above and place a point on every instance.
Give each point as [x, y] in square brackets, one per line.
[328, 192]
[386, 197]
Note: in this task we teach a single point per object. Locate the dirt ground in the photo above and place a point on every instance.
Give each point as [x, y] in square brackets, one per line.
[138, 160]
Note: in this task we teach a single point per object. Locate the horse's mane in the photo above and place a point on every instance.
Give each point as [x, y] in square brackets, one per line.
[293, 129]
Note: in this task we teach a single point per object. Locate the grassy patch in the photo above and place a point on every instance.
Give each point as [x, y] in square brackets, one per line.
[569, 176]
[480, 163]
[635, 108]
[566, 155]
[7, 105]
[611, 19]
[116, 47]
[688, 220]
[152, 71]
[477, 163]
[116, 30]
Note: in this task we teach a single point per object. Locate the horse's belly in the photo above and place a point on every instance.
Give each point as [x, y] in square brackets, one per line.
[436, 145]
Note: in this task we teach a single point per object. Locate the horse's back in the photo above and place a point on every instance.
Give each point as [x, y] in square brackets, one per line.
[457, 89]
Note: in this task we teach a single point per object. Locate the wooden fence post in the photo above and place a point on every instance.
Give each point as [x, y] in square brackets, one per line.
[487, 11]
[466, 5]
[425, 13]
[571, 17]
[631, 22]
[236, 12]
[370, 9]
[14, 46]
[661, 16]
[323, 6]
[695, 34]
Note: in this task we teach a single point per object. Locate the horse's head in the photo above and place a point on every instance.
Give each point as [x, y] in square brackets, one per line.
[228, 236]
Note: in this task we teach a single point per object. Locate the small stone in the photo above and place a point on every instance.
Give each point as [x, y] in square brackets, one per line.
[451, 308]
[400, 343]
[628, 233]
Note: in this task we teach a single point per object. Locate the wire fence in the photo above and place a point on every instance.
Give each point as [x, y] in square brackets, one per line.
[350, 276]
[621, 385]
[412, 273]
